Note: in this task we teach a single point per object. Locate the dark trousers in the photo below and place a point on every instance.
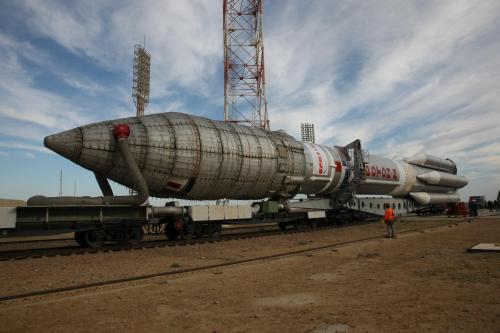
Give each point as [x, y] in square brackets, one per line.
[391, 232]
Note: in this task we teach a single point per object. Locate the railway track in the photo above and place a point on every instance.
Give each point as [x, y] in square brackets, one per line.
[75, 250]
[213, 266]
[34, 241]
[233, 233]
[72, 240]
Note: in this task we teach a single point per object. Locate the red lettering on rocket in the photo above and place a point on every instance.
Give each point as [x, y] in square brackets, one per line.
[376, 171]
[320, 160]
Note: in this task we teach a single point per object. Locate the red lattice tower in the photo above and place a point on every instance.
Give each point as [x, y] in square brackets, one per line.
[244, 81]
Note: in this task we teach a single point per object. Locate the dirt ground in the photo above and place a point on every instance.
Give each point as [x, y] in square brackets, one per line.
[12, 203]
[421, 281]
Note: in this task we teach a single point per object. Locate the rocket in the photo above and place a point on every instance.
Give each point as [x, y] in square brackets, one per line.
[191, 157]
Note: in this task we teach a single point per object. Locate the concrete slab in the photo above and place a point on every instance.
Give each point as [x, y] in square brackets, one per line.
[485, 247]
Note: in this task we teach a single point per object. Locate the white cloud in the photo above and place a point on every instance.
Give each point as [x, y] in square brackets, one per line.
[184, 37]
[389, 60]
[419, 77]
[23, 101]
[23, 130]
[24, 146]
[29, 155]
[84, 84]
[403, 77]
[16, 49]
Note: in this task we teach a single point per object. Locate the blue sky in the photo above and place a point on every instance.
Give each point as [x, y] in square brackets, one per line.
[402, 76]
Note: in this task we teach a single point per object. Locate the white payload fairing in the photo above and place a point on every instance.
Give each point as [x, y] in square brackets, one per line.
[185, 156]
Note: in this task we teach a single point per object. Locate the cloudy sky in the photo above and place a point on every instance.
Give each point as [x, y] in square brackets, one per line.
[402, 76]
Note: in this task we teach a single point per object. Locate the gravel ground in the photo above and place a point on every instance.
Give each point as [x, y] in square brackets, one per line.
[51, 272]
[423, 281]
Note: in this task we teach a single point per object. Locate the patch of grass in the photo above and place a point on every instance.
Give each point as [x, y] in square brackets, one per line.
[175, 265]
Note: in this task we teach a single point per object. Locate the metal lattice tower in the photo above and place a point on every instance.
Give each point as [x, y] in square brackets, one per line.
[307, 132]
[140, 89]
[244, 80]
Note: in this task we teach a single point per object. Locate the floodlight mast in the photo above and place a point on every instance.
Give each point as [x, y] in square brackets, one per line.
[307, 132]
[142, 70]
[244, 78]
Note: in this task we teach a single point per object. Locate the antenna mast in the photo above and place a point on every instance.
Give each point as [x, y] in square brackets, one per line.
[244, 80]
[60, 183]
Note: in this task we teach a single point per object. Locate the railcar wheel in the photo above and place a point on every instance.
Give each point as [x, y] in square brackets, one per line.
[93, 238]
[298, 225]
[135, 235]
[186, 236]
[189, 232]
[79, 238]
[196, 231]
[215, 230]
[171, 232]
[313, 224]
[282, 225]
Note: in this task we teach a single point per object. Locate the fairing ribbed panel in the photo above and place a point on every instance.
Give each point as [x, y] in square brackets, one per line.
[97, 143]
[196, 158]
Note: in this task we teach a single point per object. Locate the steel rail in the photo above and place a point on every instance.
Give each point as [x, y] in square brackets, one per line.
[26, 241]
[231, 235]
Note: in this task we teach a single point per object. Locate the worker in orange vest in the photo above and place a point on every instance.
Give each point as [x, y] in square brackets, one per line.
[389, 221]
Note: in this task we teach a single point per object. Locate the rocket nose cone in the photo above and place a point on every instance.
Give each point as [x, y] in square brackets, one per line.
[67, 143]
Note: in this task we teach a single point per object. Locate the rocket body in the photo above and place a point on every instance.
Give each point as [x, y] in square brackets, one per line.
[185, 156]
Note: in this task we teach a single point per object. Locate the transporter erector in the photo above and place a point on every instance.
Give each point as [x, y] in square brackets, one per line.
[176, 155]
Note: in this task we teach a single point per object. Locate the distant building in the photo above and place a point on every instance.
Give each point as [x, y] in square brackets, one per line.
[12, 203]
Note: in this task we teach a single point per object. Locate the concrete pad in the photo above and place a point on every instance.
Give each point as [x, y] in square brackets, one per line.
[485, 247]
